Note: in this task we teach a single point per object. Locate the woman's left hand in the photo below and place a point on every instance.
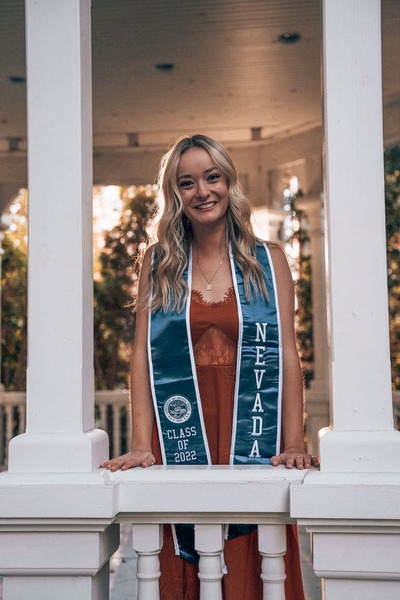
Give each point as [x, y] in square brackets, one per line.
[297, 459]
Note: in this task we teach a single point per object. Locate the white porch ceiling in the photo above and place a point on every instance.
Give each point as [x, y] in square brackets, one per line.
[230, 72]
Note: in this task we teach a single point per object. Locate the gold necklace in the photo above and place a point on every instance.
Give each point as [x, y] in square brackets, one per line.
[209, 286]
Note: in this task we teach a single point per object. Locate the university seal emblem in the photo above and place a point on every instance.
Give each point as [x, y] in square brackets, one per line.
[177, 409]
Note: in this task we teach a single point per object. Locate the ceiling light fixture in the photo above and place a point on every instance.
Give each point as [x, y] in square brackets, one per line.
[133, 139]
[165, 67]
[256, 133]
[289, 38]
[17, 79]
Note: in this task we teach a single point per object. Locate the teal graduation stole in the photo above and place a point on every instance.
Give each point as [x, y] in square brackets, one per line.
[257, 401]
[256, 423]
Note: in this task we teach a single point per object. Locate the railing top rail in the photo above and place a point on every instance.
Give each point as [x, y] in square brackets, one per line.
[209, 473]
[217, 494]
[212, 494]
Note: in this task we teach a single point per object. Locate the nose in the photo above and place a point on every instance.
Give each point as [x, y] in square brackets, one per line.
[202, 190]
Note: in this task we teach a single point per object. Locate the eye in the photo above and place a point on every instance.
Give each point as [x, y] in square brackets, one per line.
[214, 177]
[185, 183]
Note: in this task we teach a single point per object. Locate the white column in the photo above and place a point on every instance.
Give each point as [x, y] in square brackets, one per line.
[352, 506]
[60, 434]
[363, 437]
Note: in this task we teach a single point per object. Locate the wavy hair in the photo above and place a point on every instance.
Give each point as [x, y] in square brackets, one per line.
[173, 231]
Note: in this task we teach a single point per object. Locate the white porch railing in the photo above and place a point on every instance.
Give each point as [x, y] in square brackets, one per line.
[396, 409]
[74, 518]
[112, 415]
[12, 421]
[210, 498]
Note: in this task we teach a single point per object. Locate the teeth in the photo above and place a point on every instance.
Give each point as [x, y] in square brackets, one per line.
[208, 205]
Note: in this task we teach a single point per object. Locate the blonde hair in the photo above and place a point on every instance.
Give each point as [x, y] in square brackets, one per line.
[169, 290]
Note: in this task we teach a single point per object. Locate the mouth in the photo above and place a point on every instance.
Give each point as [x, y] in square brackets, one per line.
[205, 206]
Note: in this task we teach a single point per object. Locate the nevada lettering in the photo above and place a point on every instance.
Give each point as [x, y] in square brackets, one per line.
[260, 340]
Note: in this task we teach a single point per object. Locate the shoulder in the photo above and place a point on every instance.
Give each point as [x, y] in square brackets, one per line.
[148, 258]
[145, 270]
[281, 266]
[277, 253]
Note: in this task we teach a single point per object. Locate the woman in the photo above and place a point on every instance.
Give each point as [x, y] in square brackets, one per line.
[225, 385]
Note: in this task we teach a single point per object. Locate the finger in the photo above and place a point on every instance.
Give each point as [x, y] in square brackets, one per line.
[290, 461]
[299, 461]
[110, 465]
[130, 463]
[307, 461]
[118, 463]
[149, 461]
[314, 461]
[276, 461]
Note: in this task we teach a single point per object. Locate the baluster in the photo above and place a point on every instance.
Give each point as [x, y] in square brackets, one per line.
[209, 543]
[147, 543]
[9, 410]
[2, 439]
[21, 418]
[9, 414]
[272, 547]
[103, 416]
[116, 429]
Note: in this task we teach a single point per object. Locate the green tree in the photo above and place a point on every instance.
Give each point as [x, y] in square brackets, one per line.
[392, 201]
[304, 310]
[14, 310]
[294, 235]
[113, 290]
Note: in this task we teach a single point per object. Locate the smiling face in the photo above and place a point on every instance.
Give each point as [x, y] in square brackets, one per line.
[203, 189]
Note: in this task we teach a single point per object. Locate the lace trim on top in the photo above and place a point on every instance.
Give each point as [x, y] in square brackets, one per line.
[198, 297]
[212, 346]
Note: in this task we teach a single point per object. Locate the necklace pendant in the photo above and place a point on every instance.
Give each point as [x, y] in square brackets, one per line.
[209, 287]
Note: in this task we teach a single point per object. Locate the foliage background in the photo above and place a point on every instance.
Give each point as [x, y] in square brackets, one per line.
[115, 286]
[116, 280]
[304, 311]
[392, 201]
[14, 321]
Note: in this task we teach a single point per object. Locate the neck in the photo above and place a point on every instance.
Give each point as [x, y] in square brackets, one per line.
[206, 243]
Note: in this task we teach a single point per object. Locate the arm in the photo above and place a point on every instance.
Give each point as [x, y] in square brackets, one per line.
[292, 379]
[142, 412]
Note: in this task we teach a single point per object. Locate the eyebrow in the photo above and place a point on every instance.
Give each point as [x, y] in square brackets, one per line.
[188, 175]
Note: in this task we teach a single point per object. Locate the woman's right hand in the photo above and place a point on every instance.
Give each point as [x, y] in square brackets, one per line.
[136, 458]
